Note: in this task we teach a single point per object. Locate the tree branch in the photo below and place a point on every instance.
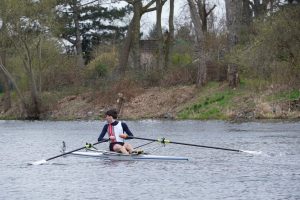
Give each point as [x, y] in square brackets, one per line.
[146, 8]
[149, 4]
[208, 13]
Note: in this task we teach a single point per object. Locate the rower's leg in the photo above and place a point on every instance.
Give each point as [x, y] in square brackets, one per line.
[120, 148]
[128, 147]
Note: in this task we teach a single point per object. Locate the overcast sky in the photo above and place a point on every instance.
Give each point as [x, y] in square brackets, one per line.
[181, 13]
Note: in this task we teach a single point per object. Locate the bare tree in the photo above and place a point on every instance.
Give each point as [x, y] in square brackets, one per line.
[238, 18]
[78, 42]
[132, 40]
[169, 35]
[160, 55]
[199, 16]
[204, 13]
[233, 14]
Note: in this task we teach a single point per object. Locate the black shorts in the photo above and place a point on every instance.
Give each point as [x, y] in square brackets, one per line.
[111, 145]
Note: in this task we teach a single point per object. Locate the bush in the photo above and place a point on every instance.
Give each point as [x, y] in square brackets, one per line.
[271, 54]
[181, 59]
[101, 70]
[102, 66]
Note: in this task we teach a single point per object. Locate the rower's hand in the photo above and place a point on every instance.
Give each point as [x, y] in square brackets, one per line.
[112, 137]
[124, 136]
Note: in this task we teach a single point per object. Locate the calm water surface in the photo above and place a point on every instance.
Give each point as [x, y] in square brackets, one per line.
[209, 174]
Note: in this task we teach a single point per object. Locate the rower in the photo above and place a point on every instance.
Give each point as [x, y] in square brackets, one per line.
[114, 129]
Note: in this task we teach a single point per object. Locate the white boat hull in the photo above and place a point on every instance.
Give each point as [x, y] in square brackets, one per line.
[122, 157]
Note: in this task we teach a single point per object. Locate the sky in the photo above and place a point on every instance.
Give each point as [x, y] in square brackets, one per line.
[181, 14]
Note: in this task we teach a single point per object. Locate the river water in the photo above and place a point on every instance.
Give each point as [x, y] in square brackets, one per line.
[272, 173]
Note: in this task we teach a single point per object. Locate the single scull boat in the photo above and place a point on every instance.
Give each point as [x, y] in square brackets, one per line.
[106, 155]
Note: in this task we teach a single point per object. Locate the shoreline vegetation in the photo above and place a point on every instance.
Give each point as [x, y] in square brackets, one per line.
[216, 101]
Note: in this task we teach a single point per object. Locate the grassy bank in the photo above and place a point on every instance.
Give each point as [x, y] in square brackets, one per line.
[249, 101]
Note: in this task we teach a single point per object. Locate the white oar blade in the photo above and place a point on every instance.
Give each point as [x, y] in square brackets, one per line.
[252, 152]
[39, 162]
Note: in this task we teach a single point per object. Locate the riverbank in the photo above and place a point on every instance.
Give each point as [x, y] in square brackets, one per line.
[215, 101]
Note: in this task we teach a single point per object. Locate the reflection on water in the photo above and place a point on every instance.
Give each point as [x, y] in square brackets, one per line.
[210, 173]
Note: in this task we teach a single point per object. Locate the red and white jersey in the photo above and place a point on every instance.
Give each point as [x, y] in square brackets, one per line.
[116, 131]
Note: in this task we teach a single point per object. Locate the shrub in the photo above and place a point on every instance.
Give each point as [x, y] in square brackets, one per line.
[102, 66]
[271, 54]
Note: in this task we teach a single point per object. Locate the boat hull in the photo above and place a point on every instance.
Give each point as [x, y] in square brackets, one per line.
[122, 157]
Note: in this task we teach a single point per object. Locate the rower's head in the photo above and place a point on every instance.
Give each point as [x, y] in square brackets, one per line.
[111, 115]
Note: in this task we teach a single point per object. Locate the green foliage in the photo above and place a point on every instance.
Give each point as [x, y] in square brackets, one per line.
[293, 95]
[181, 59]
[30, 51]
[209, 107]
[286, 96]
[273, 53]
[254, 84]
[101, 70]
[102, 66]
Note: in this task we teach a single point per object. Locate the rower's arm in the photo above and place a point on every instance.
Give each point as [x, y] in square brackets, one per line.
[126, 129]
[103, 132]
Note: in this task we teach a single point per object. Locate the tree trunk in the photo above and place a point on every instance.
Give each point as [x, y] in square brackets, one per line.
[233, 17]
[160, 55]
[247, 13]
[201, 52]
[78, 42]
[169, 36]
[39, 53]
[124, 54]
[11, 79]
[260, 7]
[136, 54]
[5, 82]
[132, 41]
[203, 13]
[33, 109]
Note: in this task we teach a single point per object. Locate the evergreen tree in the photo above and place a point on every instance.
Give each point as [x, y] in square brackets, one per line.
[86, 24]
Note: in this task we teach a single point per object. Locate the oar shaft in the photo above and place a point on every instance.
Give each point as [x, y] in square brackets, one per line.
[74, 150]
[187, 144]
[144, 144]
[209, 147]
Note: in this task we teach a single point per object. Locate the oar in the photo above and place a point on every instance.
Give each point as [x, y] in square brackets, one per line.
[45, 160]
[164, 141]
[144, 144]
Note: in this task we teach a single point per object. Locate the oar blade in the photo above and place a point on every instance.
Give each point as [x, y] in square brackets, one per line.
[252, 152]
[39, 162]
